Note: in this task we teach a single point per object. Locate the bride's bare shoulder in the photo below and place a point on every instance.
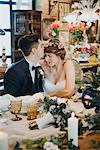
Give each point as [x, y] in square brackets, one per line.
[68, 63]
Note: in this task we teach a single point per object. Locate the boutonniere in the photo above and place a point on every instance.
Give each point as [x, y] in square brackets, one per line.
[41, 72]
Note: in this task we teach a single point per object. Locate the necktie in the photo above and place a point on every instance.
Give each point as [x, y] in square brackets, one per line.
[35, 68]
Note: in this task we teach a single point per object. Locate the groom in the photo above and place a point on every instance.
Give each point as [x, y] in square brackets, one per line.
[25, 77]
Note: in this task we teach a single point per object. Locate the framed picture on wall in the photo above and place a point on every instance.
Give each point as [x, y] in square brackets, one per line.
[64, 35]
[63, 10]
[46, 22]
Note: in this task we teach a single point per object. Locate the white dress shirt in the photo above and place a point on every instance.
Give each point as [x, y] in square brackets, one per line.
[32, 72]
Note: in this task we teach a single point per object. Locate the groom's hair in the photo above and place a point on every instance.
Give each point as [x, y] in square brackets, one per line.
[26, 43]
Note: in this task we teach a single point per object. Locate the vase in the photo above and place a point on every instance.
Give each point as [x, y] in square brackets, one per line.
[55, 33]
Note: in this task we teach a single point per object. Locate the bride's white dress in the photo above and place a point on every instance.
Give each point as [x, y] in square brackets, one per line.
[49, 86]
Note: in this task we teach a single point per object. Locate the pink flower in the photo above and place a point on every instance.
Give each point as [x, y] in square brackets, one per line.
[79, 26]
[51, 28]
[69, 27]
[56, 24]
[49, 34]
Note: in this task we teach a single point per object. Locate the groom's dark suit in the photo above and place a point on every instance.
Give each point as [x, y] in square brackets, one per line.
[18, 80]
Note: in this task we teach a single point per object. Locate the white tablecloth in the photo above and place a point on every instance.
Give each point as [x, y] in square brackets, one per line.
[20, 129]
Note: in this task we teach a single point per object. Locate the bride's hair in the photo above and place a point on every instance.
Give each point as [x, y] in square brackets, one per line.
[56, 47]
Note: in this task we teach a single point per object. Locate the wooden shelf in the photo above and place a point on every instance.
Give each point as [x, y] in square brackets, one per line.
[24, 22]
[89, 65]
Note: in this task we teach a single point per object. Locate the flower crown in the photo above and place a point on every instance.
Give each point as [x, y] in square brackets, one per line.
[54, 43]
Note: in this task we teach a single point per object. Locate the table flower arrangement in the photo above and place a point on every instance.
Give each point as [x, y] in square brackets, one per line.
[60, 141]
[59, 110]
[54, 29]
[56, 142]
[78, 31]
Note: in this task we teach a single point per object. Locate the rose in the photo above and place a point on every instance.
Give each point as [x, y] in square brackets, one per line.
[78, 30]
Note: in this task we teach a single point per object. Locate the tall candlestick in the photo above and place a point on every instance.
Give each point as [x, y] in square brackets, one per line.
[73, 129]
[3, 141]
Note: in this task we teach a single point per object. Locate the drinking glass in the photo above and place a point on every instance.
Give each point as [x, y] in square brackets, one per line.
[16, 108]
[32, 112]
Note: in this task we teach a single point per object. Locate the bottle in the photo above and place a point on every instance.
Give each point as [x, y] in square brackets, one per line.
[4, 58]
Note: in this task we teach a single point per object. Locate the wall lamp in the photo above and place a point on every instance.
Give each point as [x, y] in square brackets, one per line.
[52, 4]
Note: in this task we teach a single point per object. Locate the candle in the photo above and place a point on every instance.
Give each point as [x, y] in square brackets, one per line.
[73, 129]
[3, 141]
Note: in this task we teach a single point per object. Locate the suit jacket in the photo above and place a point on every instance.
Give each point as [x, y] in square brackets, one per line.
[18, 80]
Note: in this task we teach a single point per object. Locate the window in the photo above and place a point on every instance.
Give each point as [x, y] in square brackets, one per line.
[5, 13]
[22, 4]
[6, 7]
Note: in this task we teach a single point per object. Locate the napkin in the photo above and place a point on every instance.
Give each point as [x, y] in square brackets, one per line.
[4, 102]
[45, 120]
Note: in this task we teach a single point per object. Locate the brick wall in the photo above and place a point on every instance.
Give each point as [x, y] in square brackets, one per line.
[43, 5]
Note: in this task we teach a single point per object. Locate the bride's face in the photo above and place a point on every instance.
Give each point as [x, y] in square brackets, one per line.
[51, 59]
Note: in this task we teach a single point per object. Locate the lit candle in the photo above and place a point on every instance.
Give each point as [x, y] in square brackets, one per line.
[3, 141]
[73, 129]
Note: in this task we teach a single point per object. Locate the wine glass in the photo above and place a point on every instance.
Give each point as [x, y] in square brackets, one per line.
[16, 108]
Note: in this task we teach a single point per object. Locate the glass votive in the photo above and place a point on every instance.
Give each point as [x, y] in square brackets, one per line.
[32, 112]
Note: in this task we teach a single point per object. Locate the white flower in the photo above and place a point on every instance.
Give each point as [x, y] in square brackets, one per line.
[41, 72]
[61, 100]
[50, 146]
[64, 110]
[52, 108]
[58, 106]
[58, 119]
[53, 98]
[47, 145]
[53, 33]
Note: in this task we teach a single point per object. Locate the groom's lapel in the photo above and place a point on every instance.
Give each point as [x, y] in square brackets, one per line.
[27, 71]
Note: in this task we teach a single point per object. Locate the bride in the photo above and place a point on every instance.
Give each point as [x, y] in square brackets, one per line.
[59, 73]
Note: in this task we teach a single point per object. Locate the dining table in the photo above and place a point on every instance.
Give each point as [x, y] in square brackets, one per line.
[19, 130]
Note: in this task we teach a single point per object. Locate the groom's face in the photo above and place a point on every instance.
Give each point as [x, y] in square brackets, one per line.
[40, 50]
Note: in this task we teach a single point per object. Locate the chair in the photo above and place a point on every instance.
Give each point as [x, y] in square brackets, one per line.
[78, 74]
[78, 70]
